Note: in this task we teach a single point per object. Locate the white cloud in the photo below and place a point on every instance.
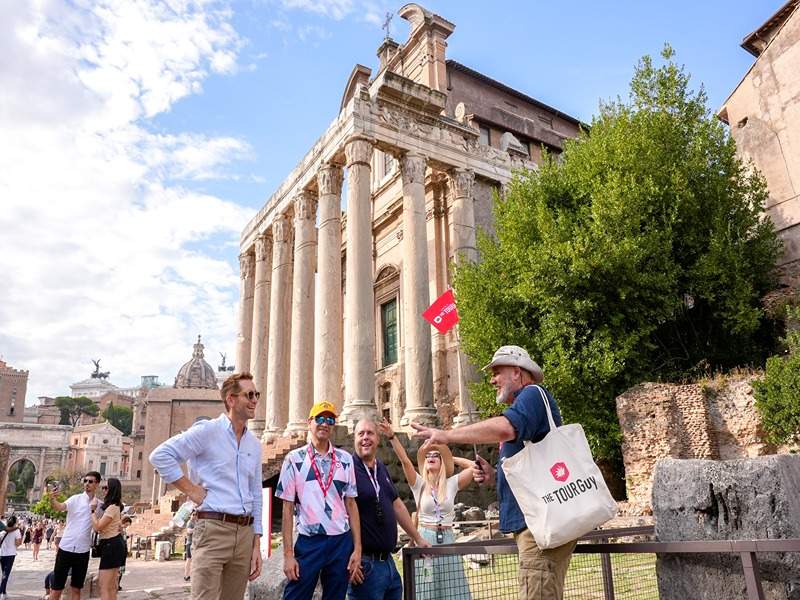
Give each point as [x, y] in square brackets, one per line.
[367, 11]
[335, 9]
[313, 33]
[103, 252]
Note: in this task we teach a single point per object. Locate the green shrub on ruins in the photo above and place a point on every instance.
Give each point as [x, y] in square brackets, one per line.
[640, 253]
[778, 395]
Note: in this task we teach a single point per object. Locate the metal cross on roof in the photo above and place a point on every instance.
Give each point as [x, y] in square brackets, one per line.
[386, 23]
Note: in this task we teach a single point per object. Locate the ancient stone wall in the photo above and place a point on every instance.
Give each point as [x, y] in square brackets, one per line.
[711, 420]
[5, 454]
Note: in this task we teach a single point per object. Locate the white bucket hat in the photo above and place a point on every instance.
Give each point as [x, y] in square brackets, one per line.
[514, 356]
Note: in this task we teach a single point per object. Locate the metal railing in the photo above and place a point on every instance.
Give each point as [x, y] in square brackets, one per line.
[440, 572]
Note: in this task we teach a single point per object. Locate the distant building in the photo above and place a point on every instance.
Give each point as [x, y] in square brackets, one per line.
[168, 411]
[44, 413]
[94, 387]
[98, 447]
[330, 304]
[764, 117]
[13, 386]
[116, 398]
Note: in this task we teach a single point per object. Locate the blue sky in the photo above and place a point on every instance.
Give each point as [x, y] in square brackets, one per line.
[141, 135]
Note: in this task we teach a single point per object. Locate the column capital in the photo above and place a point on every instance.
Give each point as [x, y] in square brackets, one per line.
[247, 265]
[329, 179]
[263, 247]
[462, 181]
[305, 206]
[281, 229]
[358, 150]
[412, 167]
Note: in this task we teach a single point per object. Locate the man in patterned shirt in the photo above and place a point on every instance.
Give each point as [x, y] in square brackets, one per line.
[318, 485]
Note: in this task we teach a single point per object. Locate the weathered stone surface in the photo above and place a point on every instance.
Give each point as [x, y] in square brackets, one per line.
[757, 498]
[269, 586]
[716, 419]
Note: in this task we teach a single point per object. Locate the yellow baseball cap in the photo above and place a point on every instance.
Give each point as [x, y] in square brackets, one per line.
[322, 407]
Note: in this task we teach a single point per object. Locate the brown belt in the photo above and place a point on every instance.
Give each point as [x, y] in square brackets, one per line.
[225, 517]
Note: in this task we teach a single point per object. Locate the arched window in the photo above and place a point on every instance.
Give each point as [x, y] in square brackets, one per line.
[387, 296]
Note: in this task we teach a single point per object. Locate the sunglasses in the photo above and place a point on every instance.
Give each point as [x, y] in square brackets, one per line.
[87, 480]
[249, 395]
[328, 420]
[433, 455]
[103, 487]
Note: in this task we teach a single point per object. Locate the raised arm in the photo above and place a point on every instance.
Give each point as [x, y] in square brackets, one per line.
[408, 467]
[54, 503]
[466, 476]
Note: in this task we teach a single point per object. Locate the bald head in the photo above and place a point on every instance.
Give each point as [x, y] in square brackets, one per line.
[366, 440]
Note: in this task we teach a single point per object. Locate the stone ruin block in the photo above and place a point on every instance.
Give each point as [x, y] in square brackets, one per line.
[754, 498]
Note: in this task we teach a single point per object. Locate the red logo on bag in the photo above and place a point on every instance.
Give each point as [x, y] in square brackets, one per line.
[559, 471]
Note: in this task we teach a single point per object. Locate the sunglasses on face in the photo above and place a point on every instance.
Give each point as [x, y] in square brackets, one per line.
[103, 487]
[433, 455]
[249, 395]
[327, 420]
[87, 480]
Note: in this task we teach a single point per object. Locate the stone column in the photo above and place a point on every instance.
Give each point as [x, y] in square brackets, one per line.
[260, 344]
[38, 482]
[464, 246]
[328, 317]
[416, 296]
[247, 270]
[359, 333]
[277, 398]
[301, 372]
[153, 496]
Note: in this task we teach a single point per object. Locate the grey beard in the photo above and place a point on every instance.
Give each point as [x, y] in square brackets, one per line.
[502, 396]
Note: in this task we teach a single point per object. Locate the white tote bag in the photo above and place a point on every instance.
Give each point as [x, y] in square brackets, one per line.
[558, 486]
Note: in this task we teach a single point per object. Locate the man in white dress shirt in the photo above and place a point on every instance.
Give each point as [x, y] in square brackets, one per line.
[224, 481]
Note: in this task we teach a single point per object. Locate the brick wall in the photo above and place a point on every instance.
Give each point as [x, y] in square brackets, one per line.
[713, 420]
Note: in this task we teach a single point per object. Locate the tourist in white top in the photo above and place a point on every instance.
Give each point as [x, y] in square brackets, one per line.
[73, 550]
[10, 539]
[435, 490]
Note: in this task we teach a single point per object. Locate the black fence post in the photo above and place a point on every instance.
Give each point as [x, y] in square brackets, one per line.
[409, 591]
[752, 576]
[608, 573]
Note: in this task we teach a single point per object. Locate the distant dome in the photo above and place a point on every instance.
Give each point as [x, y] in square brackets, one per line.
[196, 373]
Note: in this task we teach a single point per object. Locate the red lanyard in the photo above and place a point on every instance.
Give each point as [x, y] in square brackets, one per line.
[326, 486]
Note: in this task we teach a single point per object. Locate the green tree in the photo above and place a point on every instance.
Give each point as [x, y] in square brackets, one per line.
[67, 483]
[21, 478]
[778, 395]
[72, 409]
[639, 253]
[120, 417]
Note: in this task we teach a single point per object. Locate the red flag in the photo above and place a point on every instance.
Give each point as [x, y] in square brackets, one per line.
[442, 314]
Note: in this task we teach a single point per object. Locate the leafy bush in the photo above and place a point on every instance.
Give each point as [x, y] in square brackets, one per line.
[778, 395]
[641, 253]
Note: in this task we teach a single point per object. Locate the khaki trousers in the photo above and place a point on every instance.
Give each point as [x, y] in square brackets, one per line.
[541, 572]
[221, 554]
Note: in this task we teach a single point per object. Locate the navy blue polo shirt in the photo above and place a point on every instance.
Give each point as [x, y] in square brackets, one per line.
[529, 419]
[376, 538]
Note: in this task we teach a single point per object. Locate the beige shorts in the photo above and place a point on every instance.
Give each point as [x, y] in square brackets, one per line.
[541, 572]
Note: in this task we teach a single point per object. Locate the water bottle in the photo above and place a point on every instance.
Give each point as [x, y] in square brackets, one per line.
[427, 570]
[181, 516]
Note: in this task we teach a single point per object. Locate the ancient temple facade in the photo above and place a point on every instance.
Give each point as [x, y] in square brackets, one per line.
[332, 287]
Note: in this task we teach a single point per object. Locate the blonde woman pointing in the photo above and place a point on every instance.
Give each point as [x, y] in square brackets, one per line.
[435, 486]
